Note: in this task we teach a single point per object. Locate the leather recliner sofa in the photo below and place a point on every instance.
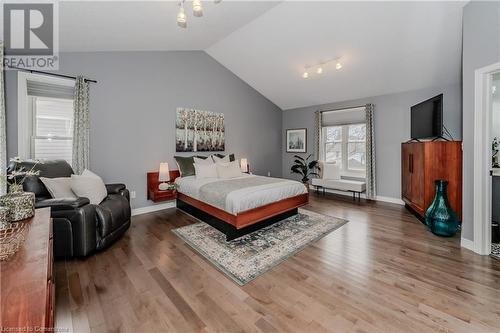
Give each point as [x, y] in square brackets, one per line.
[79, 227]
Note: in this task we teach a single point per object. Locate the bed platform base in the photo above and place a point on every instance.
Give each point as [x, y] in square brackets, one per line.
[229, 230]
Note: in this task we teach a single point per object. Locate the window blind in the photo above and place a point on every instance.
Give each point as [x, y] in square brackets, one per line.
[44, 89]
[343, 117]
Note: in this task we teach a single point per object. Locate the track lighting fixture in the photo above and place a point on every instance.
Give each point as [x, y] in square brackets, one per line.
[181, 16]
[197, 8]
[319, 68]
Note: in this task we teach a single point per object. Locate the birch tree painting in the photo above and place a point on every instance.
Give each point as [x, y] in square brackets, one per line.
[197, 130]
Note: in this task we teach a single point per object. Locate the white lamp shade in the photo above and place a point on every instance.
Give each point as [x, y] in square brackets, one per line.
[164, 174]
[244, 164]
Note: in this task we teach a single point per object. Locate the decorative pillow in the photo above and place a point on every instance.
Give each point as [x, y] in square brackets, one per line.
[59, 188]
[185, 165]
[89, 185]
[229, 170]
[218, 159]
[202, 160]
[331, 171]
[205, 170]
[231, 156]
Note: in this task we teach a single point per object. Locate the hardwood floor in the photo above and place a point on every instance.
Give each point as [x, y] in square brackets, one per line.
[381, 272]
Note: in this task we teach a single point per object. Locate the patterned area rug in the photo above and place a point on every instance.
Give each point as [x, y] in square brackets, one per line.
[247, 257]
[495, 250]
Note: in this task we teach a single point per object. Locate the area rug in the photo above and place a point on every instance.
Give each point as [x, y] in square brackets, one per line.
[247, 257]
[495, 250]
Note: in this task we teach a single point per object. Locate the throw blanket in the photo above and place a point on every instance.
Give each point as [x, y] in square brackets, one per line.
[216, 193]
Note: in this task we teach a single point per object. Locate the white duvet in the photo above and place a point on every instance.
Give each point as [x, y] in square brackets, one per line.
[247, 198]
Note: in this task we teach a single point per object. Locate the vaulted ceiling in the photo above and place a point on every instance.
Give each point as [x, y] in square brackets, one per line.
[385, 47]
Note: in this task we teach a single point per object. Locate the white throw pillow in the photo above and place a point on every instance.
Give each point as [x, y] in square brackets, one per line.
[229, 170]
[89, 185]
[59, 188]
[331, 171]
[204, 161]
[203, 171]
[225, 159]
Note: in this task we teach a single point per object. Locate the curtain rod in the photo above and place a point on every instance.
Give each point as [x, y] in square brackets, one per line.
[48, 73]
[339, 109]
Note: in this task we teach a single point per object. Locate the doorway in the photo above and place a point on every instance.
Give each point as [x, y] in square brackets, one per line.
[486, 174]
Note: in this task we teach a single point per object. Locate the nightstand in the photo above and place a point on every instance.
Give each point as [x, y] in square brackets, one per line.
[154, 194]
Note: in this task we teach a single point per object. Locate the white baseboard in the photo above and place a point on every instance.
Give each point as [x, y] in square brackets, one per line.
[377, 198]
[468, 244]
[153, 208]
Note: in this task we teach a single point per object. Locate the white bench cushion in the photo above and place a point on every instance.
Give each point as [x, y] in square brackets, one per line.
[340, 184]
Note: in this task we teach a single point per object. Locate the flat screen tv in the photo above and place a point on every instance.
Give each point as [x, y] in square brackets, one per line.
[427, 118]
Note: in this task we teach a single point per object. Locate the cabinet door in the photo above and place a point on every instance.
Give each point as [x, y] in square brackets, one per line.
[406, 171]
[417, 175]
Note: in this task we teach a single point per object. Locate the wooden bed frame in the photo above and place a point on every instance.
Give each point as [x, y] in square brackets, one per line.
[235, 226]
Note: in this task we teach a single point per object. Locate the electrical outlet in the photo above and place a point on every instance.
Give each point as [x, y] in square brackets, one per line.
[132, 194]
[269, 173]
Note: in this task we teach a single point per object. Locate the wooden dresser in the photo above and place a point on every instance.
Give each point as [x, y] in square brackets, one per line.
[424, 162]
[27, 282]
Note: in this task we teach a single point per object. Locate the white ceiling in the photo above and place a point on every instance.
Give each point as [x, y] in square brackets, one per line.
[386, 47]
[149, 25]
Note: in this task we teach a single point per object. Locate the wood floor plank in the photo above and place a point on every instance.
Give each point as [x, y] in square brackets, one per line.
[381, 272]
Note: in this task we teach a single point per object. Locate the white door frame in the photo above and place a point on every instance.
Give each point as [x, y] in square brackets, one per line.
[482, 158]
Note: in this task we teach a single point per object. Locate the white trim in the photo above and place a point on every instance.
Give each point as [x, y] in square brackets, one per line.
[24, 118]
[468, 244]
[363, 195]
[482, 159]
[153, 208]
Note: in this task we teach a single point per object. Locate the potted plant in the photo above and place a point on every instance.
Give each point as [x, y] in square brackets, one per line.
[305, 168]
[20, 205]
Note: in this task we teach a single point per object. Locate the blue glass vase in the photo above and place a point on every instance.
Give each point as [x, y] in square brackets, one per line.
[440, 218]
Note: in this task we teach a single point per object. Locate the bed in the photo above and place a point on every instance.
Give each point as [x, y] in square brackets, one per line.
[241, 205]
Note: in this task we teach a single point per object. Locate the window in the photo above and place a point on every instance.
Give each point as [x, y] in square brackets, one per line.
[52, 136]
[346, 145]
[45, 117]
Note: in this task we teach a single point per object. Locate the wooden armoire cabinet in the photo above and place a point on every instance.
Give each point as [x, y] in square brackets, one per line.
[424, 162]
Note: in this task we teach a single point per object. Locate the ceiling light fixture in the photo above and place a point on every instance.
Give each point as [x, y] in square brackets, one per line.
[197, 8]
[320, 67]
[181, 16]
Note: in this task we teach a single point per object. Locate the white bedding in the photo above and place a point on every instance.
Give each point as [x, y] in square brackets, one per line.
[247, 198]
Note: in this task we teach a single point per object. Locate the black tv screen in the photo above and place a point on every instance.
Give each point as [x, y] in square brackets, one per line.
[427, 118]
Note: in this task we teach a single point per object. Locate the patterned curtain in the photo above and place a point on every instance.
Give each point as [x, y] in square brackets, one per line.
[81, 126]
[371, 179]
[318, 134]
[3, 137]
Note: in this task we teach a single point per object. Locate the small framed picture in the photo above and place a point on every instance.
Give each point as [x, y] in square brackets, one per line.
[296, 140]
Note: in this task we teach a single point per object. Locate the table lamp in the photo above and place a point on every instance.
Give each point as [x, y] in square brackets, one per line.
[163, 177]
[244, 165]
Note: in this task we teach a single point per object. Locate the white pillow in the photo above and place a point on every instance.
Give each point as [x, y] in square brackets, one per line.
[225, 159]
[204, 161]
[89, 185]
[229, 170]
[331, 171]
[203, 171]
[59, 188]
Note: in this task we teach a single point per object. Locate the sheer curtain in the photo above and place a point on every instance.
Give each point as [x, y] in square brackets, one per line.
[3, 138]
[371, 178]
[81, 126]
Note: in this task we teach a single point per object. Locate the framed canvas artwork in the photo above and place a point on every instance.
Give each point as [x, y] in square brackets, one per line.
[296, 140]
[197, 130]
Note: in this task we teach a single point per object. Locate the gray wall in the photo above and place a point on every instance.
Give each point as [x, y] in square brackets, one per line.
[133, 112]
[392, 126]
[481, 47]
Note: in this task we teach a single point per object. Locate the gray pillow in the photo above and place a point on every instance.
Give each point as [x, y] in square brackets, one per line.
[185, 165]
[231, 157]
